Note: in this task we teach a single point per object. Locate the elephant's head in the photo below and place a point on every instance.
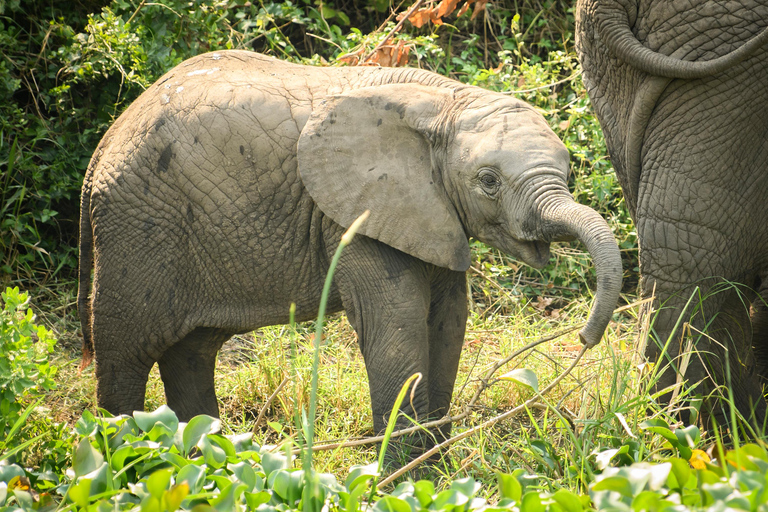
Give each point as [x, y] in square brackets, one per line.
[436, 166]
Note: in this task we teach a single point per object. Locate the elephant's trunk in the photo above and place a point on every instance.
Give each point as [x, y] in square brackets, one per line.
[614, 28]
[562, 218]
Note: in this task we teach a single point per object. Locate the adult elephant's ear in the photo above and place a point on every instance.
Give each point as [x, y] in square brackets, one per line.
[370, 149]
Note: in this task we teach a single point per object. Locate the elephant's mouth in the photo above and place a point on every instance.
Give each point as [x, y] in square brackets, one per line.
[532, 252]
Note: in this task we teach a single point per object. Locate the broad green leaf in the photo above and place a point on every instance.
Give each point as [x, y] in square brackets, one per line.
[646, 500]
[287, 484]
[158, 482]
[523, 376]
[175, 459]
[223, 443]
[681, 471]
[273, 461]
[212, 454]
[100, 479]
[80, 492]
[24, 499]
[197, 426]
[87, 458]
[509, 487]
[531, 502]
[615, 483]
[360, 475]
[245, 474]
[450, 497]
[173, 497]
[254, 499]
[569, 501]
[228, 498]
[7, 473]
[467, 486]
[689, 436]
[146, 421]
[391, 504]
[193, 476]
[424, 490]
[120, 455]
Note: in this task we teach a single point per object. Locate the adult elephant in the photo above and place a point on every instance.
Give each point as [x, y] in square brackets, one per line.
[218, 197]
[680, 88]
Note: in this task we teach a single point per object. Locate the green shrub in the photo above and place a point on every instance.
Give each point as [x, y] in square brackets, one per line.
[25, 372]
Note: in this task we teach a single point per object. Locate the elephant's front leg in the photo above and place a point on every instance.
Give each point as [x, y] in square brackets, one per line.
[386, 294]
[447, 323]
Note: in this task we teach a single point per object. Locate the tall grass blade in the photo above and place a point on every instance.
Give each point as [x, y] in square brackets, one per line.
[310, 482]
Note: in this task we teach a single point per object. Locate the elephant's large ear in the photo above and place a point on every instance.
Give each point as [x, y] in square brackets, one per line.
[369, 149]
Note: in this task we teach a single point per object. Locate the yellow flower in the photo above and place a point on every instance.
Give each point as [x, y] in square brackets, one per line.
[699, 459]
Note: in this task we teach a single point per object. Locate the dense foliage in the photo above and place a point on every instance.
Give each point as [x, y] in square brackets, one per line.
[67, 73]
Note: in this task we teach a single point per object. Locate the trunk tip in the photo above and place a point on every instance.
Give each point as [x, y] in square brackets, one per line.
[589, 338]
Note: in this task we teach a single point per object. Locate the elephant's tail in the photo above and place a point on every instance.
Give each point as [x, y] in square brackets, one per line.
[84, 271]
[614, 28]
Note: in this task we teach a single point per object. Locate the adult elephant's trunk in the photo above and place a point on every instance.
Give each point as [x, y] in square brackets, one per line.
[614, 28]
[562, 217]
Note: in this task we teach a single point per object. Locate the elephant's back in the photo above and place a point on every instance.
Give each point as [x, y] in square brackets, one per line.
[198, 178]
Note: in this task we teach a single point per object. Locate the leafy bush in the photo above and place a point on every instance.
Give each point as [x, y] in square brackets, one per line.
[25, 372]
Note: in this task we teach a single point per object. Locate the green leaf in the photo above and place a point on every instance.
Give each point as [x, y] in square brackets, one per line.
[360, 475]
[615, 483]
[681, 470]
[228, 498]
[531, 502]
[524, 377]
[158, 482]
[212, 454]
[163, 415]
[87, 458]
[192, 475]
[80, 492]
[424, 490]
[568, 500]
[254, 499]
[223, 443]
[273, 461]
[288, 484]
[450, 497]
[509, 487]
[196, 428]
[173, 497]
[245, 474]
[467, 486]
[688, 436]
[391, 504]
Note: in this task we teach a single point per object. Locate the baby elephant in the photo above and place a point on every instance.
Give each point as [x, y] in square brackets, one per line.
[218, 198]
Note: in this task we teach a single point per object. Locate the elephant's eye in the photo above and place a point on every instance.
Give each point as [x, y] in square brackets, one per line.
[489, 180]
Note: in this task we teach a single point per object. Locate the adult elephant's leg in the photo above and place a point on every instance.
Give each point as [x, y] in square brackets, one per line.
[122, 361]
[719, 335]
[447, 323]
[386, 294]
[187, 369]
[759, 318]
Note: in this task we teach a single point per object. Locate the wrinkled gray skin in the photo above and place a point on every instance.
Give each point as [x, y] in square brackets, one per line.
[681, 90]
[218, 198]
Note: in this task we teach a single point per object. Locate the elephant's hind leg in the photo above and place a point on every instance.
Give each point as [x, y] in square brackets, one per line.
[122, 363]
[187, 369]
